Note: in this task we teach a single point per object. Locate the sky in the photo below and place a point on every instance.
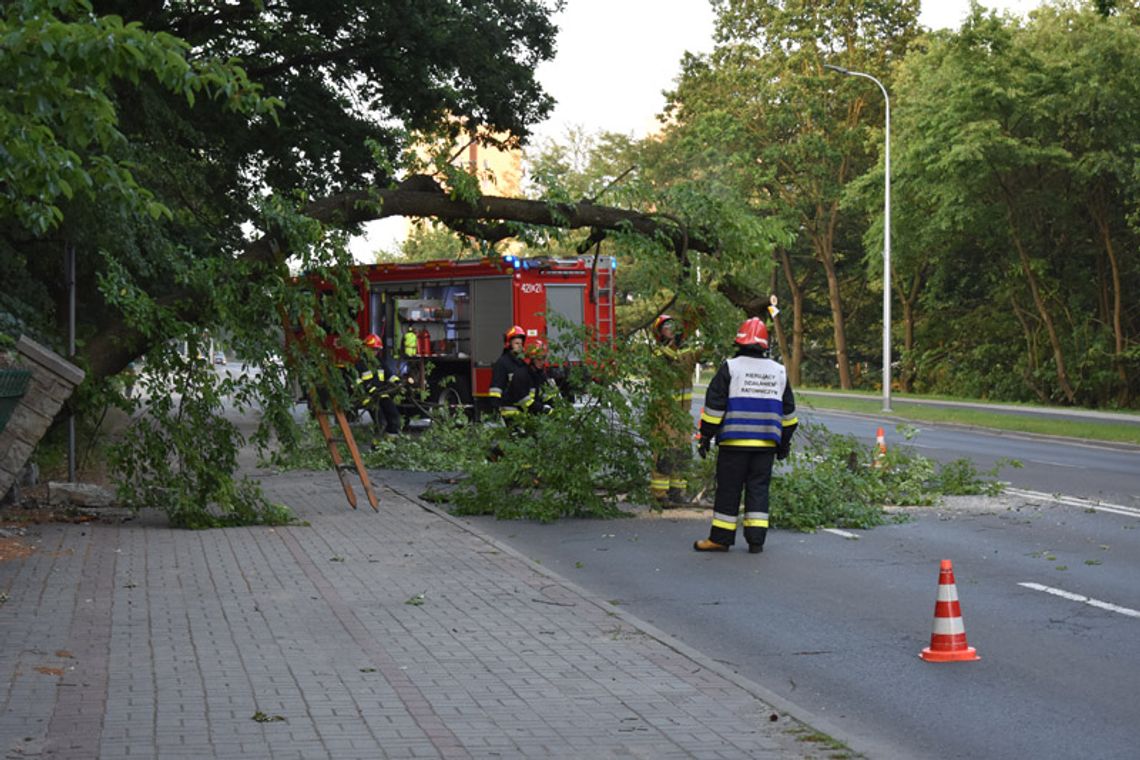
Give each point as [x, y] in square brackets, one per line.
[597, 93]
[615, 57]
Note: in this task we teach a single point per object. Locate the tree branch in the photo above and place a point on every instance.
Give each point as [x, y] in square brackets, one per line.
[357, 207]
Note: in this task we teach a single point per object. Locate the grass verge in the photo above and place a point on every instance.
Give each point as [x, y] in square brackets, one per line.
[997, 418]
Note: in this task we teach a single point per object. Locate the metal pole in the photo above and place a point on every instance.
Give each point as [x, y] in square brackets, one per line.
[886, 236]
[70, 263]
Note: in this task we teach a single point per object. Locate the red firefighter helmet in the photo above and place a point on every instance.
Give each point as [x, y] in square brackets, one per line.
[660, 322]
[536, 350]
[514, 332]
[372, 340]
[752, 332]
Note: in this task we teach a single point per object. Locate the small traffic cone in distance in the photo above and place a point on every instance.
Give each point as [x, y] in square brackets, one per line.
[881, 448]
[948, 641]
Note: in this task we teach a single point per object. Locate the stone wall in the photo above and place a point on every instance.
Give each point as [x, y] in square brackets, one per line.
[52, 383]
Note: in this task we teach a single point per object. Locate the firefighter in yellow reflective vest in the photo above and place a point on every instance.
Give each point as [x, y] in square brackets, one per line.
[751, 411]
[376, 385]
[670, 409]
[411, 345]
[512, 391]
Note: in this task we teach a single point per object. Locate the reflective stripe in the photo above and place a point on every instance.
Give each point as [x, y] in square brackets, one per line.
[712, 416]
[753, 443]
[755, 408]
[495, 392]
[678, 483]
[724, 525]
[948, 626]
[755, 522]
[790, 419]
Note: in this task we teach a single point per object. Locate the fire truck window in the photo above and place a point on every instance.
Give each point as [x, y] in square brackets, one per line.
[567, 302]
[491, 300]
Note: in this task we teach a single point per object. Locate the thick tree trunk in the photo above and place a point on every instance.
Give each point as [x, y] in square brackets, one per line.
[825, 254]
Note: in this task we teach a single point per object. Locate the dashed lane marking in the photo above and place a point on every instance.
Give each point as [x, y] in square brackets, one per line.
[1082, 599]
[843, 533]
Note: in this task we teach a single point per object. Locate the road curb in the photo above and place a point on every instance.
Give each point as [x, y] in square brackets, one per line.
[858, 744]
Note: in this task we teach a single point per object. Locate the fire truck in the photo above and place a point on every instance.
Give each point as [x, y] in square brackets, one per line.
[458, 311]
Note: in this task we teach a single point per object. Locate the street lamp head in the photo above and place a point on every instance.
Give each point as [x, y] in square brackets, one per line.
[837, 69]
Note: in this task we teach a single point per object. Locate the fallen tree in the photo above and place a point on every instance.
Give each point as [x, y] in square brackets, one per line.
[490, 218]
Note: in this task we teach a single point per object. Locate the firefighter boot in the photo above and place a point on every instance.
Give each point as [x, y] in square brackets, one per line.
[755, 548]
[705, 545]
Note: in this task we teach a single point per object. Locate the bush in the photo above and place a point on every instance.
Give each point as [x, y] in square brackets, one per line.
[837, 481]
[180, 453]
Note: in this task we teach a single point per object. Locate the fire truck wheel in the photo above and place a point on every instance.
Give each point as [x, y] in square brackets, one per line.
[454, 397]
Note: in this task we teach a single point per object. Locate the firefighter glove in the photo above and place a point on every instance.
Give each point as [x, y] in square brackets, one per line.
[782, 451]
[703, 446]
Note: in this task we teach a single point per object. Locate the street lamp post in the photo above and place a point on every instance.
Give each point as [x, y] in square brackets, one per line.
[886, 237]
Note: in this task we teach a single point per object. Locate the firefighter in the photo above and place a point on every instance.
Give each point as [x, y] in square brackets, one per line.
[541, 377]
[411, 342]
[512, 391]
[376, 382]
[751, 411]
[669, 410]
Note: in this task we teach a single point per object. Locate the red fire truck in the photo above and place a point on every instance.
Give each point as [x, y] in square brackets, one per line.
[459, 310]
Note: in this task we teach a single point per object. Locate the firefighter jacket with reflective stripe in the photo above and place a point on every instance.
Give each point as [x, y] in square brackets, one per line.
[546, 391]
[750, 403]
[373, 381]
[512, 391]
[684, 362]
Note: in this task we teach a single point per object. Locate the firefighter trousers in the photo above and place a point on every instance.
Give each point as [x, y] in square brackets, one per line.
[740, 470]
[667, 479]
[385, 415]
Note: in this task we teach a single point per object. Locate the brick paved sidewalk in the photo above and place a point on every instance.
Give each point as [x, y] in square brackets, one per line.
[398, 634]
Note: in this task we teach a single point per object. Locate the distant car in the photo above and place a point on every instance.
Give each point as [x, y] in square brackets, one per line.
[219, 357]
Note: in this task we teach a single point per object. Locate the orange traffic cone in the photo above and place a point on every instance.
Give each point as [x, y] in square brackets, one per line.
[880, 450]
[948, 641]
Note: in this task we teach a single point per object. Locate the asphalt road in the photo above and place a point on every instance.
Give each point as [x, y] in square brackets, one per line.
[835, 624]
[1108, 473]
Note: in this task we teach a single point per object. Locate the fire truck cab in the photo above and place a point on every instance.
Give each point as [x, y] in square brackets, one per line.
[458, 311]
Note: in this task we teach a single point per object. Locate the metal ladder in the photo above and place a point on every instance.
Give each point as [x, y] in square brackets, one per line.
[604, 299]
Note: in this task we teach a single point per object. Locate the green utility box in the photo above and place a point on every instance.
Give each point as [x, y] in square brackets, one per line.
[13, 385]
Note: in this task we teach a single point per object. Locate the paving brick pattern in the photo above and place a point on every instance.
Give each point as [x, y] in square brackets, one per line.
[398, 634]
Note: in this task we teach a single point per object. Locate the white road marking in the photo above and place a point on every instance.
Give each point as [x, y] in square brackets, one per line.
[1073, 501]
[1082, 599]
[1055, 464]
[838, 532]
